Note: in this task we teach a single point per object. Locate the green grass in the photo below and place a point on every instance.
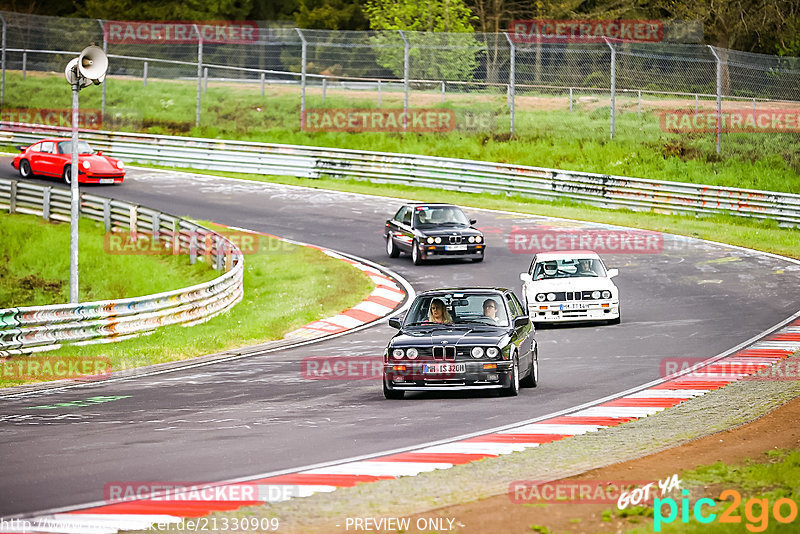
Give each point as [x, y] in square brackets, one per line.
[554, 138]
[763, 235]
[34, 265]
[285, 287]
[774, 477]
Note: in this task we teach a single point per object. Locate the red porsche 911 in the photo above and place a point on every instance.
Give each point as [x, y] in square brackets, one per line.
[53, 157]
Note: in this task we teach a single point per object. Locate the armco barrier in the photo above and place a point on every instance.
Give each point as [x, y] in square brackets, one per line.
[40, 328]
[447, 173]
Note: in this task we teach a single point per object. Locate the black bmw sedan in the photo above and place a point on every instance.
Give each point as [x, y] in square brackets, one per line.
[465, 338]
[433, 231]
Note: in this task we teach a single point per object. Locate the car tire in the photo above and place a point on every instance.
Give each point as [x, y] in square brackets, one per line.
[392, 394]
[66, 174]
[532, 380]
[25, 170]
[616, 321]
[513, 389]
[477, 260]
[391, 248]
[416, 257]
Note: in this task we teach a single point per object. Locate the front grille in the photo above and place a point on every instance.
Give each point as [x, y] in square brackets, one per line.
[447, 352]
[577, 295]
[455, 239]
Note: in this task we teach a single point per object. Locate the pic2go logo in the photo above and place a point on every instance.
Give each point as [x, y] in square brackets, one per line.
[756, 511]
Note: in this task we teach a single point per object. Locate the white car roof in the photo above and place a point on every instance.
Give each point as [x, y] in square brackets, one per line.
[566, 254]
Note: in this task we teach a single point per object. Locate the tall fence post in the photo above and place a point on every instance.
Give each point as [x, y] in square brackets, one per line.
[199, 74]
[570, 99]
[405, 78]
[511, 80]
[639, 109]
[105, 49]
[3, 61]
[324, 88]
[379, 93]
[719, 97]
[263, 79]
[442, 91]
[302, 79]
[205, 80]
[144, 74]
[613, 83]
[24, 64]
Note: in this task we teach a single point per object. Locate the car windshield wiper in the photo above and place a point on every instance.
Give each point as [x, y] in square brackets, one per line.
[428, 323]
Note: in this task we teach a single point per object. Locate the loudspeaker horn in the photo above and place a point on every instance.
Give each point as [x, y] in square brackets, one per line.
[73, 76]
[93, 64]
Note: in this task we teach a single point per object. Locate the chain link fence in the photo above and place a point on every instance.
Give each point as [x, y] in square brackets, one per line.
[392, 69]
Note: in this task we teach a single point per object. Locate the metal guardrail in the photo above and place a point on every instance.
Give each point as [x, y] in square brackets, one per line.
[41, 328]
[606, 191]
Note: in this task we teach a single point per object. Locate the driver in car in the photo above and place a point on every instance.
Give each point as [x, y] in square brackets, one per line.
[438, 312]
[585, 268]
[490, 310]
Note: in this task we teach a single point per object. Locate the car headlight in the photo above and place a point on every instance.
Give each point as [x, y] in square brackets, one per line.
[412, 353]
[492, 352]
[120, 165]
[86, 165]
[430, 241]
[397, 353]
[478, 239]
[438, 240]
[540, 297]
[606, 294]
[471, 239]
[595, 294]
[551, 297]
[476, 352]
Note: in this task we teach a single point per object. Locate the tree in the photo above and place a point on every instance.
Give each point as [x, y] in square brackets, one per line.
[330, 15]
[442, 46]
[166, 9]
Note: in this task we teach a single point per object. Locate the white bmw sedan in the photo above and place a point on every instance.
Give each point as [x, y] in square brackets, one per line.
[570, 286]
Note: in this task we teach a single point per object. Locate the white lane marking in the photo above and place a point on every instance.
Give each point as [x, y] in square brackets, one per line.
[545, 428]
[783, 345]
[477, 448]
[344, 320]
[667, 394]
[388, 294]
[617, 411]
[372, 307]
[394, 469]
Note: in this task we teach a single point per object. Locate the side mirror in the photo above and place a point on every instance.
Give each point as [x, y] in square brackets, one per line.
[612, 273]
[99, 152]
[521, 321]
[525, 277]
[394, 322]
[473, 221]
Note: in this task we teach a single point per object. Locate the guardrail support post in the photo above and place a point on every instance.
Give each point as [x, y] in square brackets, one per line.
[613, 83]
[176, 237]
[144, 74]
[12, 202]
[156, 227]
[193, 247]
[220, 247]
[719, 96]
[324, 88]
[199, 75]
[107, 214]
[24, 64]
[263, 76]
[511, 80]
[379, 93]
[133, 221]
[46, 203]
[406, 49]
[302, 79]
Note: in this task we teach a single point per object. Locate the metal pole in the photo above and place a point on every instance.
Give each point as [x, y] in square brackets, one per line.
[74, 201]
[263, 76]
[696, 102]
[570, 99]
[442, 91]
[754, 110]
[24, 64]
[379, 93]
[405, 79]
[3, 80]
[719, 96]
[511, 80]
[639, 111]
[324, 88]
[199, 74]
[205, 80]
[144, 75]
[105, 50]
[302, 80]
[613, 83]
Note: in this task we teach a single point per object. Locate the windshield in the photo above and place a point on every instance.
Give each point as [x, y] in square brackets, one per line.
[65, 147]
[568, 268]
[431, 216]
[458, 308]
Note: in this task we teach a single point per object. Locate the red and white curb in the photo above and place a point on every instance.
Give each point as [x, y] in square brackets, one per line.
[138, 514]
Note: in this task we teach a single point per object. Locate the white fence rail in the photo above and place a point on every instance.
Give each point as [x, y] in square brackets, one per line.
[447, 173]
[41, 328]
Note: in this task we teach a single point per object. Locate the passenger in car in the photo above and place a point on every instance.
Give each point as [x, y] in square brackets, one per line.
[490, 310]
[437, 313]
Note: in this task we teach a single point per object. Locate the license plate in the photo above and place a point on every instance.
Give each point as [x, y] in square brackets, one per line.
[106, 181]
[455, 247]
[444, 368]
[581, 307]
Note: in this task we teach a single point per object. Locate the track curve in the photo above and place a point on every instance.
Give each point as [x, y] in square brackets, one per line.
[258, 415]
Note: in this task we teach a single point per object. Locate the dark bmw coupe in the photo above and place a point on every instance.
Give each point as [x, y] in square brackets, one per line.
[433, 231]
[465, 338]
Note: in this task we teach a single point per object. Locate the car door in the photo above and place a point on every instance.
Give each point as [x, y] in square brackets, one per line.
[522, 337]
[47, 160]
[405, 234]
